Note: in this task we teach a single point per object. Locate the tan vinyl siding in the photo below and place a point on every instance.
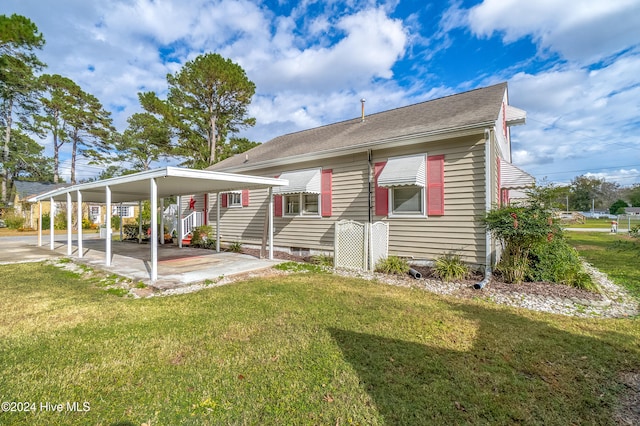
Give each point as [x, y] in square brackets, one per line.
[423, 238]
[457, 230]
[349, 182]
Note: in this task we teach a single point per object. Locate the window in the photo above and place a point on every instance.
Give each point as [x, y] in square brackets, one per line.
[234, 199]
[122, 211]
[301, 204]
[292, 204]
[407, 200]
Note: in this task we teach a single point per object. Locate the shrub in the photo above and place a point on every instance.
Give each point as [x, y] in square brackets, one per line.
[322, 260]
[203, 237]
[635, 231]
[450, 267]
[46, 221]
[115, 222]
[60, 221]
[520, 228]
[392, 265]
[235, 247]
[86, 223]
[558, 262]
[13, 220]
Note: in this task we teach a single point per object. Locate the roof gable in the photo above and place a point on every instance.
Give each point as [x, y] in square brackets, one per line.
[477, 107]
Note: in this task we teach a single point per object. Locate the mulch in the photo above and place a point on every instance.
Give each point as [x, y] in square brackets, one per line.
[544, 289]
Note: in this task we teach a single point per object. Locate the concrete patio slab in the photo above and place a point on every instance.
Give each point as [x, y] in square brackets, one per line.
[176, 266]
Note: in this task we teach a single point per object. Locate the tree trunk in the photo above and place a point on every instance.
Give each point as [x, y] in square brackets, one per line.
[56, 159]
[5, 152]
[212, 138]
[73, 159]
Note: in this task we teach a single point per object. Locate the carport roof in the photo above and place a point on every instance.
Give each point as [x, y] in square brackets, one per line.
[171, 181]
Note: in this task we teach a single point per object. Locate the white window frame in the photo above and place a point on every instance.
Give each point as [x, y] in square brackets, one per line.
[117, 210]
[421, 213]
[423, 194]
[301, 205]
[234, 200]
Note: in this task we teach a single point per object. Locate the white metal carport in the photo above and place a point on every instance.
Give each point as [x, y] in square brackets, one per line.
[153, 185]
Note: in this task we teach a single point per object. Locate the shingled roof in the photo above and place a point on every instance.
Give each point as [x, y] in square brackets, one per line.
[26, 189]
[474, 108]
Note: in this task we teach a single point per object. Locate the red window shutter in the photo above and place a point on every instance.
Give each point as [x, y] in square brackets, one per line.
[277, 205]
[435, 185]
[382, 193]
[326, 188]
[245, 198]
[225, 200]
[499, 182]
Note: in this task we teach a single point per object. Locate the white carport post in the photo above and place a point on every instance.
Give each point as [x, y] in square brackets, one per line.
[52, 215]
[108, 226]
[69, 224]
[153, 188]
[179, 220]
[162, 221]
[39, 223]
[218, 200]
[139, 222]
[270, 215]
[79, 206]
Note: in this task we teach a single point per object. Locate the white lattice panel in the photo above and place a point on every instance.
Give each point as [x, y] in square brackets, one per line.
[350, 250]
[378, 243]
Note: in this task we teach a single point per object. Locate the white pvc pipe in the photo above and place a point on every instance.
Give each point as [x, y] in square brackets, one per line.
[270, 213]
[218, 199]
[108, 226]
[69, 224]
[153, 188]
[52, 215]
[79, 207]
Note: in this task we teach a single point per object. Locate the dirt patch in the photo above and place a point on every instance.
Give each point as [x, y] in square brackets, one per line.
[628, 413]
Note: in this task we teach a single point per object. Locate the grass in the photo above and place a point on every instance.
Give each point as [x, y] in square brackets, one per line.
[615, 255]
[300, 349]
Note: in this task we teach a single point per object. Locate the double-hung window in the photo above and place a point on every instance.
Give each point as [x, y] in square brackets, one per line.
[234, 199]
[302, 196]
[405, 179]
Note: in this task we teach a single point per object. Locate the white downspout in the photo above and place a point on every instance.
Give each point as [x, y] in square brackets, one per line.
[487, 199]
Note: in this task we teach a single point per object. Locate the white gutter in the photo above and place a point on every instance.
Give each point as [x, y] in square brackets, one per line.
[487, 201]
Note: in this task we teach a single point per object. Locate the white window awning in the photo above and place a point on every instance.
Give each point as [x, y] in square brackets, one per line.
[307, 181]
[400, 171]
[515, 116]
[512, 177]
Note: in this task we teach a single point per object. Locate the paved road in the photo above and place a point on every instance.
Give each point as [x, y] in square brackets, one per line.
[23, 248]
[620, 230]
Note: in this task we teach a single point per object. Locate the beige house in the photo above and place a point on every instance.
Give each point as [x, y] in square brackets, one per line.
[429, 170]
[22, 205]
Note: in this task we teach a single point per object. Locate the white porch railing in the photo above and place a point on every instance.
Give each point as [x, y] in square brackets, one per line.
[191, 221]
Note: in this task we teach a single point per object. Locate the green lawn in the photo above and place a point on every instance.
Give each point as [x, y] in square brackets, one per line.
[300, 349]
[615, 255]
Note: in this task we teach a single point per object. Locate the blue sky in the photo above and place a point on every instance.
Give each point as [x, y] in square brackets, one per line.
[574, 66]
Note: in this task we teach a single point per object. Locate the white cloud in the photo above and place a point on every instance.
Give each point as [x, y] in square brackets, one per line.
[583, 30]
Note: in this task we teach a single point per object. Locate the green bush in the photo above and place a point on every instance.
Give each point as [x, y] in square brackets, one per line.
[322, 260]
[235, 247]
[557, 262]
[450, 267]
[13, 220]
[60, 221]
[46, 221]
[635, 231]
[115, 222]
[86, 223]
[203, 237]
[392, 265]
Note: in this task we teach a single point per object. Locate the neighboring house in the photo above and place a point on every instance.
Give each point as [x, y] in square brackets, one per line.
[633, 211]
[29, 210]
[127, 211]
[429, 170]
